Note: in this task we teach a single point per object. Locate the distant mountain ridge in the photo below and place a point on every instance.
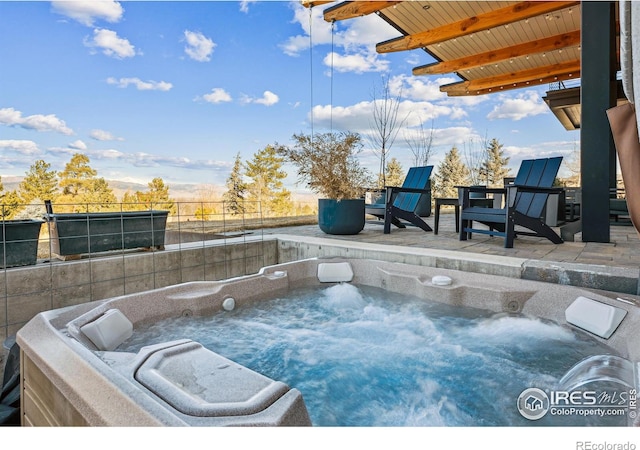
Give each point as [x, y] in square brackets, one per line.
[177, 191]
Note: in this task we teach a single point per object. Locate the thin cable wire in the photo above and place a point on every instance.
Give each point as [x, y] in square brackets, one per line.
[333, 22]
[311, 67]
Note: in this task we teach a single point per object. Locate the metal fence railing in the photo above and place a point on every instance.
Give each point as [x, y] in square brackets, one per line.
[57, 255]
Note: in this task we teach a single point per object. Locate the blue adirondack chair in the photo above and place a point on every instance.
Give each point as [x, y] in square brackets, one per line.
[525, 202]
[402, 202]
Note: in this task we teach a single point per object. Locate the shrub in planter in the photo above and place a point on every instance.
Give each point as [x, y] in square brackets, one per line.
[327, 165]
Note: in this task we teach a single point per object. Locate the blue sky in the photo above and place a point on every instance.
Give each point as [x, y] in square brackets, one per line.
[176, 89]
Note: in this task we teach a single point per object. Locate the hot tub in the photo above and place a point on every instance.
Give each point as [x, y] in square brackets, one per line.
[74, 375]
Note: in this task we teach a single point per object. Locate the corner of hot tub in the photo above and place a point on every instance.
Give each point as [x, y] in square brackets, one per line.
[203, 388]
[63, 384]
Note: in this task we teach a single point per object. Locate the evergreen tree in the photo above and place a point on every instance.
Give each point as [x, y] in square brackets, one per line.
[77, 177]
[132, 201]
[157, 197]
[82, 190]
[204, 212]
[11, 205]
[100, 196]
[39, 183]
[394, 174]
[281, 204]
[451, 172]
[236, 189]
[494, 168]
[266, 189]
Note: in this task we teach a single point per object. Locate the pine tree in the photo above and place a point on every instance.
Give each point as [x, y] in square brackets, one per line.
[82, 190]
[131, 201]
[236, 189]
[394, 175]
[158, 195]
[11, 205]
[40, 183]
[266, 189]
[451, 172]
[495, 169]
[77, 176]
[100, 196]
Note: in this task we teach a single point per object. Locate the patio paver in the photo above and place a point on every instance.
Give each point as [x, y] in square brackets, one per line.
[622, 252]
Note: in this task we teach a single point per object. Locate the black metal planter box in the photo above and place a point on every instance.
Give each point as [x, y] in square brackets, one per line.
[19, 246]
[73, 234]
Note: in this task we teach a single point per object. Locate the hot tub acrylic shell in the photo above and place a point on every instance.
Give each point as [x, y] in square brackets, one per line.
[122, 389]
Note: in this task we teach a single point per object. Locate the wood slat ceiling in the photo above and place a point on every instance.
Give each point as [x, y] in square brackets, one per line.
[491, 45]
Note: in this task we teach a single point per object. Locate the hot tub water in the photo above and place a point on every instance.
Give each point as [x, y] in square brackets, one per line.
[362, 356]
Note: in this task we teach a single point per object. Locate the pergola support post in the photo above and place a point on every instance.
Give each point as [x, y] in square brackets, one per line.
[598, 93]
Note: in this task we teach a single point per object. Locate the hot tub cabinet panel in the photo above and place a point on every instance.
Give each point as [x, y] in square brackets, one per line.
[41, 403]
[73, 234]
[19, 246]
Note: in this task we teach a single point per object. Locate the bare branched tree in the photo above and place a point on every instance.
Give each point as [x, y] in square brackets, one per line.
[573, 165]
[475, 155]
[385, 123]
[420, 142]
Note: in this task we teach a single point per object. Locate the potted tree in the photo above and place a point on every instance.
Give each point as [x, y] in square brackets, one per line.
[328, 166]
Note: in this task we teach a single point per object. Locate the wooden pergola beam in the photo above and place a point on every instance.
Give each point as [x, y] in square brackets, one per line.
[481, 22]
[531, 77]
[504, 54]
[523, 84]
[312, 3]
[350, 10]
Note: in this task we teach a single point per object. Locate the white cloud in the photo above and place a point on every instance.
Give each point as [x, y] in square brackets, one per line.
[268, 99]
[516, 108]
[415, 88]
[78, 145]
[357, 39]
[38, 122]
[102, 135]
[87, 12]
[295, 45]
[356, 62]
[140, 85]
[24, 147]
[111, 44]
[217, 95]
[359, 117]
[365, 31]
[453, 136]
[107, 154]
[142, 159]
[199, 47]
[244, 5]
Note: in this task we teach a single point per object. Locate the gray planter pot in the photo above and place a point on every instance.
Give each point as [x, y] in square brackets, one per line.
[19, 246]
[78, 233]
[341, 216]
